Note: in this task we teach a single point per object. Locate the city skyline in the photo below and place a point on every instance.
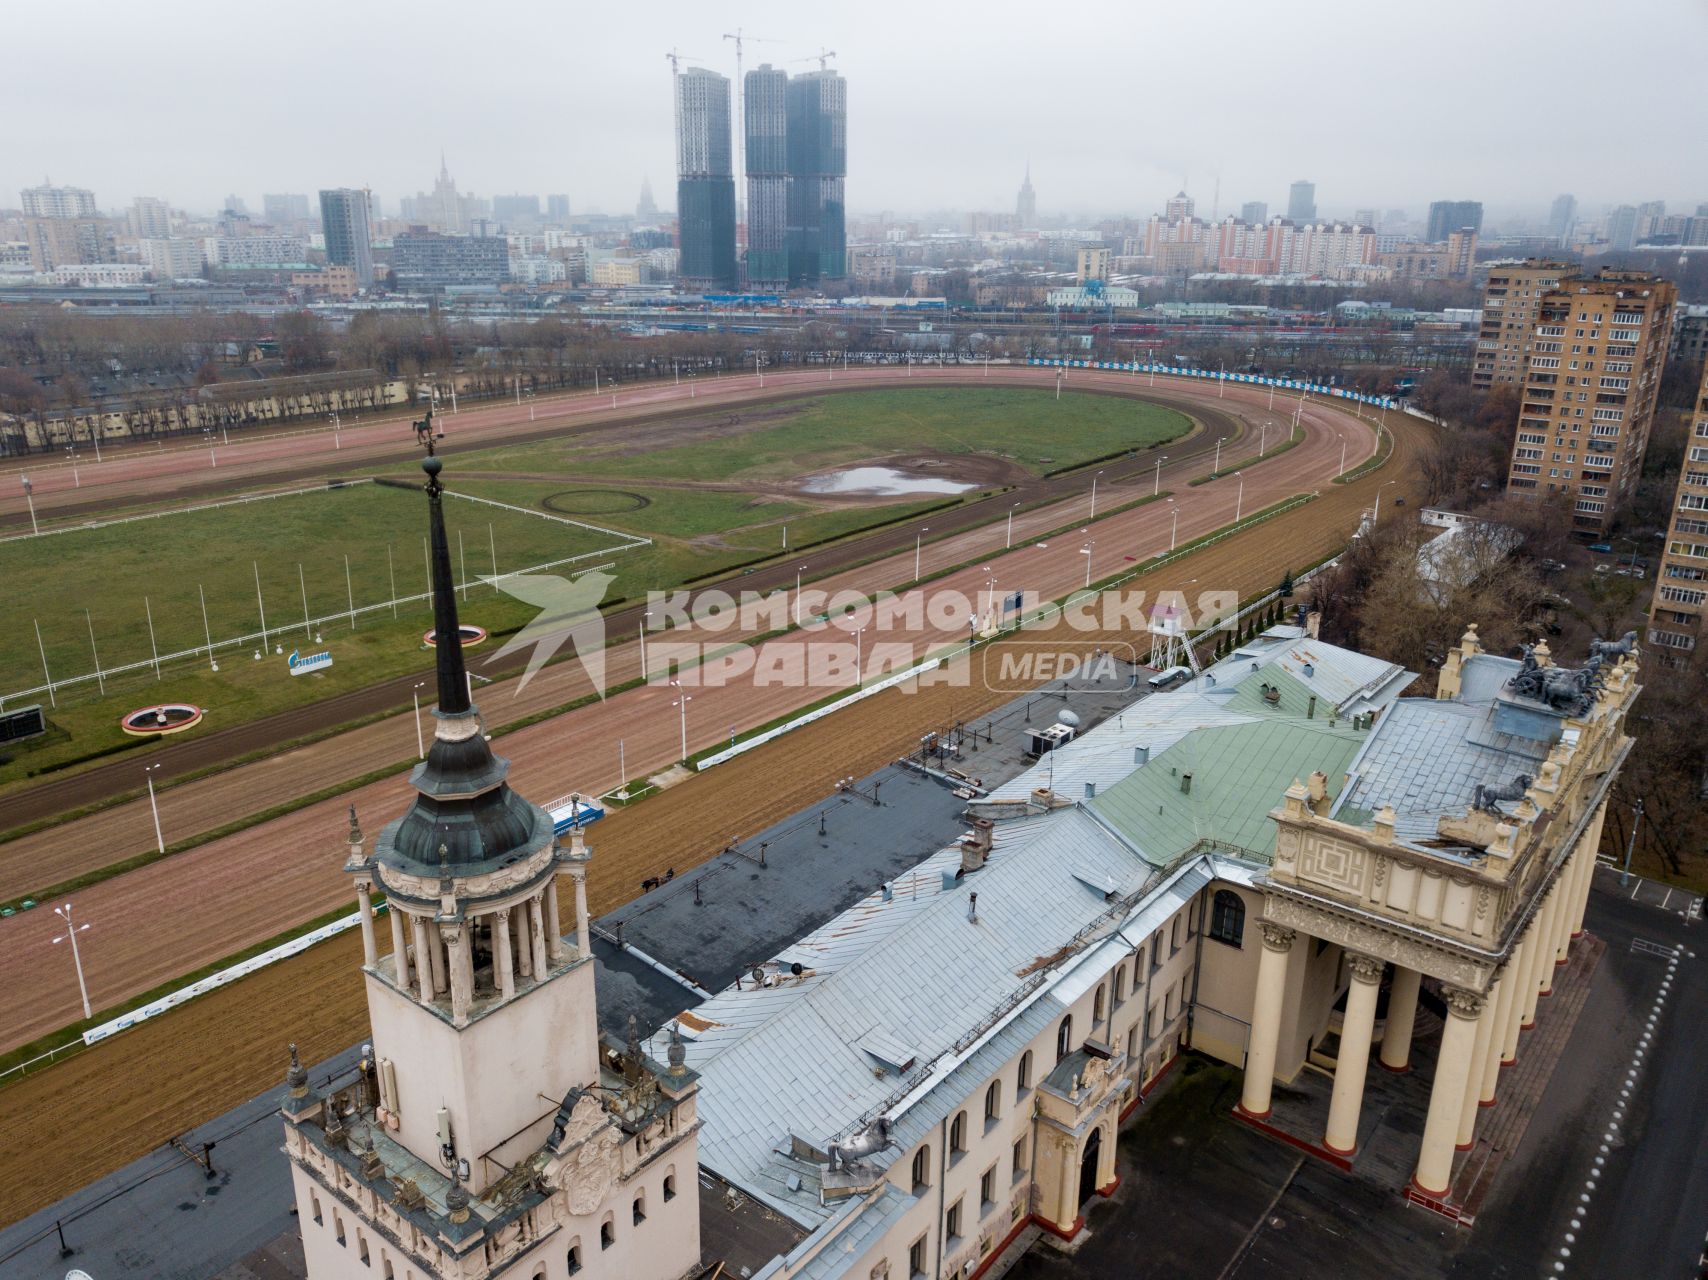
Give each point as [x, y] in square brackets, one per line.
[1097, 149]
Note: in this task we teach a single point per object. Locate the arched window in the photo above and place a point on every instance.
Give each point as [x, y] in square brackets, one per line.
[1120, 982]
[1064, 1038]
[640, 1209]
[1023, 1080]
[607, 1232]
[573, 1257]
[314, 1204]
[1227, 918]
[670, 1185]
[992, 1102]
[958, 1134]
[922, 1167]
[1098, 1006]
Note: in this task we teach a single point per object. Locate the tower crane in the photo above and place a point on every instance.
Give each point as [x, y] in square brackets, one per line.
[741, 38]
[676, 57]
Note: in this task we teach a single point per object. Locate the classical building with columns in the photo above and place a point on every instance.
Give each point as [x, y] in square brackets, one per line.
[491, 1131]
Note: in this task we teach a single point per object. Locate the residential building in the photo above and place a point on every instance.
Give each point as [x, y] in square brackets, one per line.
[1302, 202]
[492, 1130]
[1591, 376]
[818, 166]
[99, 275]
[255, 251]
[282, 210]
[48, 201]
[1448, 216]
[427, 259]
[872, 267]
[1452, 259]
[765, 103]
[538, 270]
[1179, 206]
[1026, 203]
[1622, 227]
[1511, 298]
[334, 282]
[1254, 212]
[171, 258]
[557, 208]
[1091, 262]
[1562, 217]
[611, 273]
[705, 179]
[1690, 334]
[1681, 581]
[60, 242]
[150, 218]
[516, 210]
[346, 224]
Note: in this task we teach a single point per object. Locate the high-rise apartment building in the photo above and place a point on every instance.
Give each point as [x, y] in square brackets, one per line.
[65, 242]
[1622, 227]
[1681, 582]
[346, 223]
[168, 258]
[1510, 302]
[426, 259]
[557, 208]
[1254, 212]
[48, 201]
[1590, 378]
[765, 102]
[818, 166]
[705, 179]
[1302, 202]
[150, 218]
[1448, 216]
[281, 209]
[1562, 215]
[514, 210]
[1179, 206]
[1091, 262]
[1026, 203]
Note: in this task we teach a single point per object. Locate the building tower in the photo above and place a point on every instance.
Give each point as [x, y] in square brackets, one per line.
[818, 166]
[646, 208]
[1026, 203]
[1681, 583]
[705, 180]
[765, 104]
[346, 223]
[1510, 300]
[1448, 216]
[1583, 418]
[1562, 215]
[1302, 202]
[490, 1131]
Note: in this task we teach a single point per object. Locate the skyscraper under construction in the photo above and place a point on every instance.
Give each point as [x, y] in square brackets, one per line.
[705, 180]
[797, 159]
[765, 104]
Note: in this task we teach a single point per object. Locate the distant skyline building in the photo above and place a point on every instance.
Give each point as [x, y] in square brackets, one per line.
[1255, 212]
[345, 221]
[1026, 203]
[1562, 215]
[557, 208]
[426, 259]
[1622, 227]
[514, 210]
[705, 179]
[280, 209]
[1448, 216]
[150, 218]
[48, 201]
[1302, 202]
[646, 208]
[765, 94]
[818, 167]
[1179, 207]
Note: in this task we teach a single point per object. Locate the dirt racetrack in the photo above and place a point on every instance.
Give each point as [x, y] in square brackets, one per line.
[102, 1108]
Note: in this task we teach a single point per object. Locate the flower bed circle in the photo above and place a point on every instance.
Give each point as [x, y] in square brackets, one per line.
[168, 717]
[471, 636]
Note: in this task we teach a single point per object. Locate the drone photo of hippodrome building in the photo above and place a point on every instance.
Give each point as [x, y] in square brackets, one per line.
[1281, 862]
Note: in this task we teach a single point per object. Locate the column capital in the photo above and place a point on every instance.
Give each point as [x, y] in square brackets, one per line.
[1277, 937]
[1464, 1004]
[1366, 968]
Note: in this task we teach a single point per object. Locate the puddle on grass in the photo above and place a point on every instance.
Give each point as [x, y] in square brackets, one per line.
[883, 481]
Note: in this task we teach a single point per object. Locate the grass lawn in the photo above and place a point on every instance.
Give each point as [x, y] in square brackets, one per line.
[1030, 427]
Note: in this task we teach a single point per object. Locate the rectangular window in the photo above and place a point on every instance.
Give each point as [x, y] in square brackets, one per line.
[952, 1223]
[1019, 1159]
[916, 1259]
[987, 1191]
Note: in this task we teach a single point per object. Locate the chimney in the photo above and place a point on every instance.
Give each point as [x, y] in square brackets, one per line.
[1317, 789]
[1186, 784]
[1311, 708]
[975, 845]
[1313, 624]
[1141, 755]
[973, 908]
[1310, 670]
[1091, 791]
[888, 891]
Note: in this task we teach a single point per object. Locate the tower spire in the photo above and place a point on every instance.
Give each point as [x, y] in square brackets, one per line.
[447, 634]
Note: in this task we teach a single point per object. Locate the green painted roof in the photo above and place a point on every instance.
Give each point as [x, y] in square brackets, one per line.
[1239, 773]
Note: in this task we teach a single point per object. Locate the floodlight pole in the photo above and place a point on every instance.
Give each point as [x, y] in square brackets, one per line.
[154, 807]
[71, 932]
[415, 701]
[1631, 844]
[29, 497]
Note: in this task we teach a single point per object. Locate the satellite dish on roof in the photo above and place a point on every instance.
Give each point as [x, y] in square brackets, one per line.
[1069, 717]
[76, 1274]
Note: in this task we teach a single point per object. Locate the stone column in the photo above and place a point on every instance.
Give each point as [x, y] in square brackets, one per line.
[459, 953]
[524, 949]
[1565, 889]
[399, 949]
[1467, 1134]
[1458, 1040]
[554, 926]
[502, 959]
[1549, 950]
[1540, 957]
[1356, 1027]
[365, 906]
[1266, 1019]
[1501, 1001]
[1402, 1018]
[436, 959]
[423, 959]
[1517, 968]
[537, 932]
[1592, 842]
[583, 928]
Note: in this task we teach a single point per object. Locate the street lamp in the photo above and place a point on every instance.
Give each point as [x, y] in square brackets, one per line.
[70, 935]
[337, 440]
[644, 618]
[800, 569]
[71, 452]
[29, 490]
[1379, 488]
[1156, 488]
[1239, 496]
[154, 807]
[1008, 542]
[1631, 844]
[1086, 552]
[859, 662]
[1174, 525]
[415, 701]
[1263, 438]
[1094, 495]
[1217, 468]
[681, 704]
[1342, 470]
[918, 542]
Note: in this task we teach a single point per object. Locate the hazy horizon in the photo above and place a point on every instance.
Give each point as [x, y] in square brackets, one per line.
[1114, 111]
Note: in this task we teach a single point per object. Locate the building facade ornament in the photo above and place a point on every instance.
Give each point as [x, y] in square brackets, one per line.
[1277, 937]
[1366, 968]
[1463, 1003]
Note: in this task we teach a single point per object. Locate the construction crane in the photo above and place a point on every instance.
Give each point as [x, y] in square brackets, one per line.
[676, 57]
[740, 97]
[822, 57]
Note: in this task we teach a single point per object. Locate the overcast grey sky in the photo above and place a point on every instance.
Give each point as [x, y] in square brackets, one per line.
[1116, 104]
